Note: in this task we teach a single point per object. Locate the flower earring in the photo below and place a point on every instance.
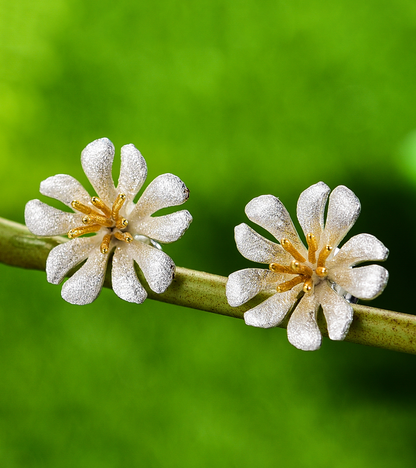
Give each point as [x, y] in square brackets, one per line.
[305, 278]
[116, 222]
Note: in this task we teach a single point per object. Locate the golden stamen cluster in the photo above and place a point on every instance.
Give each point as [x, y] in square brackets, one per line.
[304, 273]
[108, 218]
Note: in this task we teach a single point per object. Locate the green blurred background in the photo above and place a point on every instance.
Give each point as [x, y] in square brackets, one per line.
[239, 99]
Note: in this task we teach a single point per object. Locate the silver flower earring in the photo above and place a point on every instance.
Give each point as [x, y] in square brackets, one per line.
[117, 224]
[317, 275]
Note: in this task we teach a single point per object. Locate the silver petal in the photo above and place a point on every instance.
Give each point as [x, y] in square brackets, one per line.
[165, 229]
[157, 267]
[45, 220]
[269, 212]
[343, 210]
[66, 256]
[311, 208]
[133, 172]
[273, 310]
[97, 162]
[363, 282]
[85, 285]
[64, 188]
[124, 279]
[337, 311]
[358, 249]
[257, 248]
[242, 285]
[302, 330]
[166, 190]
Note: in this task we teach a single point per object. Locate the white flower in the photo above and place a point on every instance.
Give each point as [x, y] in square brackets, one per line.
[315, 273]
[117, 223]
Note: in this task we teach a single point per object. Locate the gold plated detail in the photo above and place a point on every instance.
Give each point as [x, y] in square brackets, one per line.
[280, 268]
[288, 285]
[83, 230]
[288, 246]
[105, 244]
[109, 218]
[123, 236]
[313, 247]
[309, 272]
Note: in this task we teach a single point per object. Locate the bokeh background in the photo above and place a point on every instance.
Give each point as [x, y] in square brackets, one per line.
[239, 99]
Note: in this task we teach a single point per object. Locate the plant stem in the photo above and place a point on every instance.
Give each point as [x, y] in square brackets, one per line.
[205, 291]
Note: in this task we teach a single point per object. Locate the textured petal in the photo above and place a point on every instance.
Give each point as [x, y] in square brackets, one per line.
[243, 285]
[157, 267]
[360, 248]
[311, 208]
[97, 162]
[337, 311]
[45, 220]
[273, 310]
[269, 212]
[124, 279]
[165, 229]
[302, 330]
[68, 255]
[257, 248]
[64, 188]
[343, 210]
[85, 285]
[133, 172]
[166, 190]
[363, 282]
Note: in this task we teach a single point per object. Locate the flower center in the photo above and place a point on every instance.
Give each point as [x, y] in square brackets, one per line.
[308, 271]
[108, 218]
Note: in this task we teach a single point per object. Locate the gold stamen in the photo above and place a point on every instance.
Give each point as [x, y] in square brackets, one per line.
[83, 230]
[288, 285]
[76, 205]
[322, 272]
[300, 269]
[105, 244]
[97, 219]
[288, 246]
[308, 285]
[312, 247]
[101, 206]
[123, 236]
[117, 205]
[122, 223]
[280, 268]
[323, 256]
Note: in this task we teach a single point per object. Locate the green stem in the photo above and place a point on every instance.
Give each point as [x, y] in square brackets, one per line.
[204, 291]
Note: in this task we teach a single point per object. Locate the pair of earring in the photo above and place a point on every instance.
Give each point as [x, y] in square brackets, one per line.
[305, 277]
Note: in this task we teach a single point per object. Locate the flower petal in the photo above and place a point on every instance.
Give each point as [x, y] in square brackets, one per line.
[257, 248]
[360, 248]
[243, 285]
[64, 188]
[66, 256]
[311, 208]
[45, 220]
[363, 282]
[166, 190]
[165, 229]
[343, 210]
[133, 172]
[97, 162]
[124, 278]
[269, 212]
[337, 311]
[157, 267]
[273, 310]
[85, 285]
[302, 330]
